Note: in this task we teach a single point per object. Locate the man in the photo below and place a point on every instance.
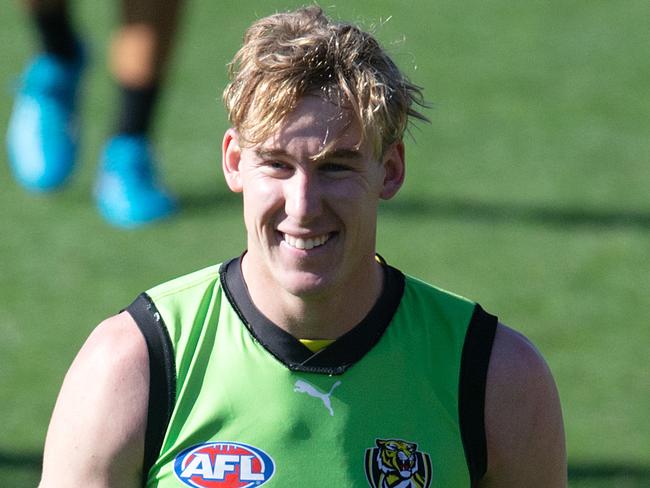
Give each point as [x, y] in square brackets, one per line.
[43, 133]
[308, 361]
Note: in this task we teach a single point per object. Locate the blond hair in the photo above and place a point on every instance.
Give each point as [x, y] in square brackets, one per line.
[289, 55]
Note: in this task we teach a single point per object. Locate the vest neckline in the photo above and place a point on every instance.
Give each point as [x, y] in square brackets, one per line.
[336, 358]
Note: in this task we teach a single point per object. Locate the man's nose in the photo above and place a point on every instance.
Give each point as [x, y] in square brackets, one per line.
[303, 197]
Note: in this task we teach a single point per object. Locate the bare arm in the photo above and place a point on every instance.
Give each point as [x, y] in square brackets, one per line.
[96, 434]
[525, 433]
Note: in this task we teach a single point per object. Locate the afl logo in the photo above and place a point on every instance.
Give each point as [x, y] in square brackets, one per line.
[223, 465]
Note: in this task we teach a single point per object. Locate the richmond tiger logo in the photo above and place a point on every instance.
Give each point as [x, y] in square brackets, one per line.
[395, 463]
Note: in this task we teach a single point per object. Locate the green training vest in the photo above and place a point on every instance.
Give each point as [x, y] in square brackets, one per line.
[379, 407]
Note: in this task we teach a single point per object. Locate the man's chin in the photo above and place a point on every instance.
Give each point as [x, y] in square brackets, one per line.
[305, 284]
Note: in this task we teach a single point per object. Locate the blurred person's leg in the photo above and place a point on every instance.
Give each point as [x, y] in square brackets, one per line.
[128, 192]
[42, 136]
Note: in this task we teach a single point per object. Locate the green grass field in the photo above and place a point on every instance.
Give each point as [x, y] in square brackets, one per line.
[528, 192]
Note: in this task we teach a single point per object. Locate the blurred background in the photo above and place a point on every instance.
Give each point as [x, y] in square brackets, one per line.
[528, 192]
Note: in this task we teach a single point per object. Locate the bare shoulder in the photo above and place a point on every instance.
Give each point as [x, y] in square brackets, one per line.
[117, 330]
[116, 342]
[96, 434]
[525, 433]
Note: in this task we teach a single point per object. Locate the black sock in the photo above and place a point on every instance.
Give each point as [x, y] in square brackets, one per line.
[56, 33]
[136, 109]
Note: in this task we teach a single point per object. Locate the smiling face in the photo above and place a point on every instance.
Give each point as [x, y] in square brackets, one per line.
[310, 201]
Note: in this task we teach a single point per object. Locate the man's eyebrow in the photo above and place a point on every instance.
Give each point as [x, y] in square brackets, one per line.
[272, 153]
[341, 153]
[349, 154]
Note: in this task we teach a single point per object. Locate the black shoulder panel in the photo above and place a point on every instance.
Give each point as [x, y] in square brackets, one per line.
[471, 399]
[162, 376]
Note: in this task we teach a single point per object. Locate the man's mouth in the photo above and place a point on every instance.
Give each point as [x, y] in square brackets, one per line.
[306, 244]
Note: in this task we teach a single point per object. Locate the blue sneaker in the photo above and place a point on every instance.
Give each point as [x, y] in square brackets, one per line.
[43, 134]
[128, 193]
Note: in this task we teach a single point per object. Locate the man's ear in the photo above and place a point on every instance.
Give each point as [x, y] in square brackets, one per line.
[230, 159]
[395, 168]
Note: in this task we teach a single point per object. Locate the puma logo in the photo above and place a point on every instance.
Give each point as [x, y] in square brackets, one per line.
[302, 386]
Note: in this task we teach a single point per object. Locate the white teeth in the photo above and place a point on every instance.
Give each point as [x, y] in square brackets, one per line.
[306, 244]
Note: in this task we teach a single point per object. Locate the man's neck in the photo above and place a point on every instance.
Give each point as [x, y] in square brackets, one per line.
[326, 315]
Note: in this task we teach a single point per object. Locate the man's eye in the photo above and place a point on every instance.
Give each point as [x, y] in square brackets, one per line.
[275, 169]
[276, 165]
[335, 167]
